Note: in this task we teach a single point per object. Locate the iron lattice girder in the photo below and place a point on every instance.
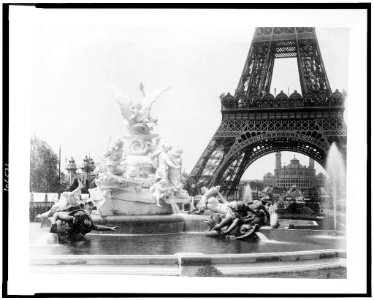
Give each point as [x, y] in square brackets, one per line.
[270, 43]
[266, 143]
[199, 171]
[256, 123]
[319, 125]
[249, 139]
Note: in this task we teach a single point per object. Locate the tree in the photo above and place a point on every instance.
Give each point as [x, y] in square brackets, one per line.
[43, 168]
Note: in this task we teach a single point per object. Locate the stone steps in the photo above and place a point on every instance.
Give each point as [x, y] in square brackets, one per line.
[187, 264]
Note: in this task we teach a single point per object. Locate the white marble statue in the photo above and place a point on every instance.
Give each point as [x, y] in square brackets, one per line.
[160, 191]
[113, 158]
[137, 174]
[175, 174]
[138, 115]
[164, 163]
[213, 200]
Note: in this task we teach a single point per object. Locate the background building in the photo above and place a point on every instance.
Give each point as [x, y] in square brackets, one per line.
[84, 174]
[294, 174]
[71, 169]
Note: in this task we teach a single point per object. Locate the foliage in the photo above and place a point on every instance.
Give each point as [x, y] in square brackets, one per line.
[43, 168]
[293, 208]
[208, 271]
[314, 206]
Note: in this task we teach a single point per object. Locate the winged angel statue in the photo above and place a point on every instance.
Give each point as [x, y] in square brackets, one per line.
[138, 114]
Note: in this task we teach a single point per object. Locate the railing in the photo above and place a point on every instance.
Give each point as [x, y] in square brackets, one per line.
[281, 100]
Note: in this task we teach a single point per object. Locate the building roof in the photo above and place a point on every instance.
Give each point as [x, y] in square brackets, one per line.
[295, 163]
[294, 193]
[268, 175]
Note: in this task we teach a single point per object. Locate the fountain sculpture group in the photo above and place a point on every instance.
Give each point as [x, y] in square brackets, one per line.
[138, 175]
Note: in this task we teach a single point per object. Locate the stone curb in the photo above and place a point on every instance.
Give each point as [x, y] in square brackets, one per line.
[194, 260]
[105, 260]
[278, 267]
[186, 259]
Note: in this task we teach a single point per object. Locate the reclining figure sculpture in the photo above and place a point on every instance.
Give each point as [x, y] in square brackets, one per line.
[241, 219]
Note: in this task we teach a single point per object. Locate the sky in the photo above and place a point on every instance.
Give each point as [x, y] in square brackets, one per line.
[74, 66]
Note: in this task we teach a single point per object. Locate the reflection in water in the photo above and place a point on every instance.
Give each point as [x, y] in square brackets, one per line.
[264, 239]
[270, 241]
[46, 238]
[330, 237]
[262, 236]
[338, 240]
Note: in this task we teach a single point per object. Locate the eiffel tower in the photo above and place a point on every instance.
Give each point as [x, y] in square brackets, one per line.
[255, 122]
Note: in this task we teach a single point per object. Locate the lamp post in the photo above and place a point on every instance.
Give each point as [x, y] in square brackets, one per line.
[87, 167]
[71, 168]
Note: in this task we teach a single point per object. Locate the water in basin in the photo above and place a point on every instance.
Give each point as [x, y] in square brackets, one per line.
[127, 244]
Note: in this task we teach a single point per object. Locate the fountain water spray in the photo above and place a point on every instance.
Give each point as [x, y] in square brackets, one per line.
[336, 185]
[247, 195]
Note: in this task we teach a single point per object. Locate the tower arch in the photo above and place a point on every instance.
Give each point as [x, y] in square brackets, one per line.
[255, 122]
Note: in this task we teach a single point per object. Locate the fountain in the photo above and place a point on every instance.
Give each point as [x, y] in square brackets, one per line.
[336, 185]
[247, 194]
[138, 185]
[137, 175]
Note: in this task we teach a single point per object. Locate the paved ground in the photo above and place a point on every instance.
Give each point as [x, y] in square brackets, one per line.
[335, 273]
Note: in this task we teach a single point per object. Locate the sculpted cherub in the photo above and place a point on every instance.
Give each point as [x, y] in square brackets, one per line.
[114, 151]
[159, 191]
[113, 158]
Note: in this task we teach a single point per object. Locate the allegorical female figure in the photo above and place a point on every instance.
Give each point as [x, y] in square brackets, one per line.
[175, 174]
[164, 163]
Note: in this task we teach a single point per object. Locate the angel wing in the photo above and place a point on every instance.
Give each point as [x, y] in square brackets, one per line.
[148, 101]
[125, 110]
[123, 101]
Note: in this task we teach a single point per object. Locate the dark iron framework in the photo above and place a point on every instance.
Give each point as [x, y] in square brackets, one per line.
[255, 123]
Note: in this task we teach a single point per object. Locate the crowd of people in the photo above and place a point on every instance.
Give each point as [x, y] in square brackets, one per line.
[70, 217]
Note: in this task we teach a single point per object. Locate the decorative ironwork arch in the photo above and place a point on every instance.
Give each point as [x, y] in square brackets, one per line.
[265, 143]
[255, 122]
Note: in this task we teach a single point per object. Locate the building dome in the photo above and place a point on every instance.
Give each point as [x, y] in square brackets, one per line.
[268, 175]
[295, 163]
[71, 165]
[321, 175]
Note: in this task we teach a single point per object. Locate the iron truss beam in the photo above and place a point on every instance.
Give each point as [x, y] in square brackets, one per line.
[256, 123]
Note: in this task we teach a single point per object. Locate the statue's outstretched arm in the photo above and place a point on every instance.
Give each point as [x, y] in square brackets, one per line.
[104, 228]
